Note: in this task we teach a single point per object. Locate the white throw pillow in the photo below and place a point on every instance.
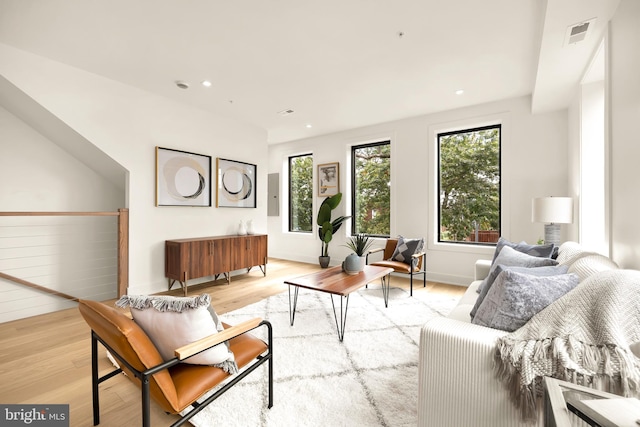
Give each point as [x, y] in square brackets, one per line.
[172, 322]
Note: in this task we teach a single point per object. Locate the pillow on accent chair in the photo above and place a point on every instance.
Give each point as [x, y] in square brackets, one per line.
[511, 257]
[172, 322]
[544, 251]
[549, 270]
[515, 298]
[405, 248]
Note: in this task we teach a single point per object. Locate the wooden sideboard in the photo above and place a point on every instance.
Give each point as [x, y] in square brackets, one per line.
[187, 259]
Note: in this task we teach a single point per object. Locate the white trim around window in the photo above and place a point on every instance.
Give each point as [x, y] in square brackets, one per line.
[474, 122]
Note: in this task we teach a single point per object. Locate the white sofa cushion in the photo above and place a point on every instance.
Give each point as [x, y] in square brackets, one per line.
[463, 308]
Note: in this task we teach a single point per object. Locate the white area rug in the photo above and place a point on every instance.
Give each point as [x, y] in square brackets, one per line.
[369, 379]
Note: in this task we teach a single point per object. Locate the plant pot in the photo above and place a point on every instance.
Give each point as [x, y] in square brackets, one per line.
[324, 261]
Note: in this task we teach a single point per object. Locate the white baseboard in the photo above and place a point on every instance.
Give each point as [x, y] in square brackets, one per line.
[449, 279]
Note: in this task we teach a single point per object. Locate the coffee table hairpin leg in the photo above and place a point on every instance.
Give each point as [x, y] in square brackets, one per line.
[293, 302]
[292, 313]
[385, 281]
[343, 315]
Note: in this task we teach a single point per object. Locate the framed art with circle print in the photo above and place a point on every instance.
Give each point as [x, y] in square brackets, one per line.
[236, 184]
[182, 178]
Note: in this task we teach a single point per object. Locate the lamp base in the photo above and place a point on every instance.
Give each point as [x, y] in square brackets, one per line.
[552, 233]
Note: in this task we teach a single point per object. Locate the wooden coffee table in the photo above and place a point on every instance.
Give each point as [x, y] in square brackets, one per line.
[334, 281]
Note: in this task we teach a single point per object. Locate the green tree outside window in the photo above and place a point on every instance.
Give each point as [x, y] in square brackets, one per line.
[469, 181]
[371, 207]
[301, 193]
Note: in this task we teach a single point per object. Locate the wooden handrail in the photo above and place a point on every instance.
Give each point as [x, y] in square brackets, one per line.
[38, 287]
[123, 250]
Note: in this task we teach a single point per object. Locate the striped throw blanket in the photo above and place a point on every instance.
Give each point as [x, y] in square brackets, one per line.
[584, 337]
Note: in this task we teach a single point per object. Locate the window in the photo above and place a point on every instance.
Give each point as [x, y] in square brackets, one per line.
[301, 193]
[469, 185]
[371, 197]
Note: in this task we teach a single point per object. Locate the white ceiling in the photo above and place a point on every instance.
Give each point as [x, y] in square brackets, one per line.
[339, 64]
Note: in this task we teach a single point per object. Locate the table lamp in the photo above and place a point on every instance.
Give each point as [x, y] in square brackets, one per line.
[552, 211]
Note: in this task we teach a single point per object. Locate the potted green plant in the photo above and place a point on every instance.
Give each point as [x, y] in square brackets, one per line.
[326, 227]
[359, 244]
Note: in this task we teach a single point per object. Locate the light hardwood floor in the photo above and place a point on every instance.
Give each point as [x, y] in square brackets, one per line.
[46, 359]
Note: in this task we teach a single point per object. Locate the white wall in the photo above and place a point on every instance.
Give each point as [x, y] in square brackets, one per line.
[624, 85]
[573, 164]
[127, 124]
[534, 159]
[37, 175]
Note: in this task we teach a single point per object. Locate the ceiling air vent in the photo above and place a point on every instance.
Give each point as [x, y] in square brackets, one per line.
[285, 112]
[578, 32]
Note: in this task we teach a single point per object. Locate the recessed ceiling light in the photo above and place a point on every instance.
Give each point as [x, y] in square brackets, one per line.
[459, 92]
[309, 125]
[206, 83]
[286, 112]
[182, 85]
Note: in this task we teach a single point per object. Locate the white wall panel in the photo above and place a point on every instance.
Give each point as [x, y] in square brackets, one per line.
[625, 142]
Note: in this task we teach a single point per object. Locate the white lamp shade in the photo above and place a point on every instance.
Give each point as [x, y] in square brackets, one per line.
[552, 210]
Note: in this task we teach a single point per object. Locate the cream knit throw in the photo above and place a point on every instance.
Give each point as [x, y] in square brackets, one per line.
[583, 337]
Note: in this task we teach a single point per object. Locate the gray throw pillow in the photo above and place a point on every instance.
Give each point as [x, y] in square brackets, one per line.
[545, 251]
[549, 270]
[511, 257]
[405, 248]
[515, 298]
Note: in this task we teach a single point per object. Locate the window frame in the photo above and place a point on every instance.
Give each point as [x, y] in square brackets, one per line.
[290, 185]
[460, 130]
[385, 141]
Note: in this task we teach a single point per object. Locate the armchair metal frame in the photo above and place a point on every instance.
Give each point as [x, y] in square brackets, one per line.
[416, 267]
[145, 376]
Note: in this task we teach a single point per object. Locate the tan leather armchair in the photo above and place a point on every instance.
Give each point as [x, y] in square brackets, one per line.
[416, 267]
[172, 384]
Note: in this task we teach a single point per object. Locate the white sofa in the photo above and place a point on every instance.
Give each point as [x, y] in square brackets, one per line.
[457, 386]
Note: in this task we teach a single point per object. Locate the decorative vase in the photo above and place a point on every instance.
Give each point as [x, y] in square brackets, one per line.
[324, 261]
[352, 264]
[250, 227]
[242, 229]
